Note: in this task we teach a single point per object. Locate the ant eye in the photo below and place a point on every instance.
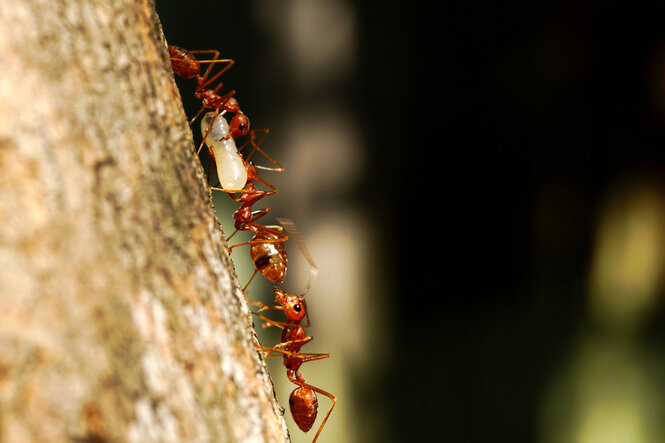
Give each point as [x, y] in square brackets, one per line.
[297, 308]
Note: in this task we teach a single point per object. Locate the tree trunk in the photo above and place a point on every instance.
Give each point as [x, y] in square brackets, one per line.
[120, 315]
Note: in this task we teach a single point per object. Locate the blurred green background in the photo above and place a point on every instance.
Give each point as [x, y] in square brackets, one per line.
[481, 185]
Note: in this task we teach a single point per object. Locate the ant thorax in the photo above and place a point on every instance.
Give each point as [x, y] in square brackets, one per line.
[230, 167]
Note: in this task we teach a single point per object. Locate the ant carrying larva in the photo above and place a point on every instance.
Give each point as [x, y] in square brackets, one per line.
[186, 65]
[234, 173]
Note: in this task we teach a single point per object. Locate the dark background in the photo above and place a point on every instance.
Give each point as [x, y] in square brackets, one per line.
[493, 133]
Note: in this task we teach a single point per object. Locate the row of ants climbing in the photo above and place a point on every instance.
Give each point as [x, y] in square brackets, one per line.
[238, 178]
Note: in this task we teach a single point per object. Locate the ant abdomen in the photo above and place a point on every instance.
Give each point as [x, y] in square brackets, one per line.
[184, 63]
[269, 256]
[304, 406]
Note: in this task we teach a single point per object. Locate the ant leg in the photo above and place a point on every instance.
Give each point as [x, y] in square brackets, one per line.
[275, 230]
[262, 213]
[301, 341]
[228, 191]
[205, 136]
[189, 59]
[255, 215]
[191, 122]
[304, 357]
[249, 300]
[256, 147]
[325, 419]
[249, 281]
[272, 322]
[251, 225]
[268, 350]
[281, 236]
[294, 233]
[234, 233]
[263, 307]
[273, 190]
[205, 81]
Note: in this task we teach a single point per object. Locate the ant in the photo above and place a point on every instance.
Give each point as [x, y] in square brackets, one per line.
[219, 134]
[267, 245]
[245, 217]
[186, 65]
[267, 249]
[302, 401]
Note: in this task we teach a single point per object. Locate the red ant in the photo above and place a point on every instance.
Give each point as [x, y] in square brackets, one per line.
[186, 65]
[302, 401]
[267, 244]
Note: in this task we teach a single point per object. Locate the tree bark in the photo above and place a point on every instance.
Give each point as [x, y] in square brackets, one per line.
[120, 314]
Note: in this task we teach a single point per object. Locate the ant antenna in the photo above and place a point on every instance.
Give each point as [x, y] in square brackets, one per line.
[293, 232]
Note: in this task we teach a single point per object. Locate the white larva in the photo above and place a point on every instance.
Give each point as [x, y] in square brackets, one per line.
[230, 168]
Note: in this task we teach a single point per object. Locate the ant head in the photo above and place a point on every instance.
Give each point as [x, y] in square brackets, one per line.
[294, 305]
[239, 125]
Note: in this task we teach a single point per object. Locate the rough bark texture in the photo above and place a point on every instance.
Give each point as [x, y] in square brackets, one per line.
[120, 316]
